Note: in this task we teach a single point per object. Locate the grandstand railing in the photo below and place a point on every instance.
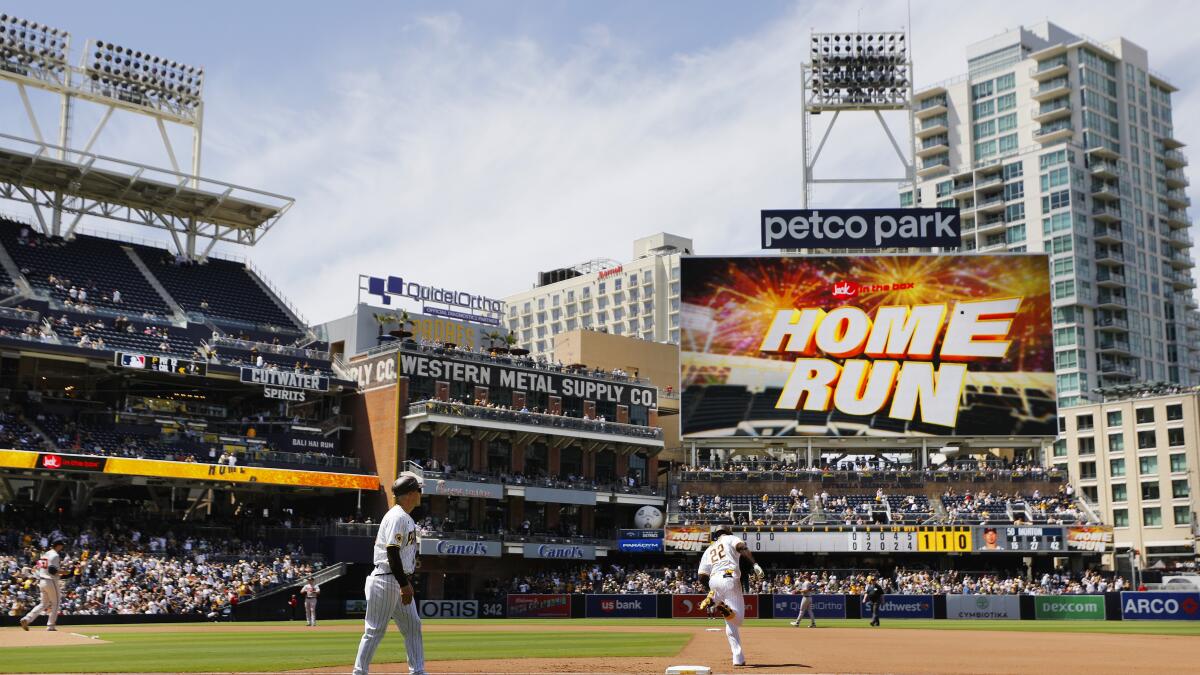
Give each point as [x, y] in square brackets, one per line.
[524, 481]
[504, 359]
[868, 476]
[19, 314]
[268, 348]
[371, 529]
[538, 419]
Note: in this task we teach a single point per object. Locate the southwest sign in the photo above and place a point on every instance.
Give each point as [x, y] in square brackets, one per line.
[861, 228]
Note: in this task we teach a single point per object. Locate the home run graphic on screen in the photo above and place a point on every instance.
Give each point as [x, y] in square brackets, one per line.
[912, 345]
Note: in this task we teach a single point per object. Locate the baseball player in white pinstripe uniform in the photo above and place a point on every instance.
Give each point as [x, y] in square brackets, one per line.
[721, 573]
[48, 576]
[388, 589]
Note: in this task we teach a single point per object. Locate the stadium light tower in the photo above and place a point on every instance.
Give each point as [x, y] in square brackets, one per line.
[857, 72]
[78, 183]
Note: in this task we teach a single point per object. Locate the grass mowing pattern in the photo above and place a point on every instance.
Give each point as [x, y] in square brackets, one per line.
[273, 651]
[1188, 628]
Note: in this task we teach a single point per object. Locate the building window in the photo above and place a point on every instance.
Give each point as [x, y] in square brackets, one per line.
[1178, 463]
[1175, 437]
[1087, 445]
[1011, 171]
[981, 90]
[1183, 515]
[1007, 143]
[1146, 439]
[1006, 102]
[1147, 466]
[985, 149]
[1116, 442]
[1056, 200]
[1087, 470]
[1116, 467]
[1149, 491]
[1180, 489]
[1006, 82]
[1175, 411]
[1152, 517]
[1083, 422]
[1114, 418]
[1052, 159]
[1119, 493]
[1144, 415]
[1120, 517]
[1060, 447]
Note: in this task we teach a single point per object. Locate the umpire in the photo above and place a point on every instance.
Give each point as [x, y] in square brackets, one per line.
[874, 595]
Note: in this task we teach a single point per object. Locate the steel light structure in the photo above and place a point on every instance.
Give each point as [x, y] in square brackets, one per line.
[71, 180]
[857, 72]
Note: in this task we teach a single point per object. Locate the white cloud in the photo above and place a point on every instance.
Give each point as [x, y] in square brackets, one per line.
[475, 164]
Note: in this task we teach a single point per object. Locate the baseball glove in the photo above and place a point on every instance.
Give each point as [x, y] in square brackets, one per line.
[707, 601]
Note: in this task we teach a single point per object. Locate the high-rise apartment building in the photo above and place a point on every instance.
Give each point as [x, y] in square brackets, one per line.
[639, 298]
[1055, 142]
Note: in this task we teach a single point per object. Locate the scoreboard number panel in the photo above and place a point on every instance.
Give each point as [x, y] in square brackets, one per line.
[882, 542]
[945, 540]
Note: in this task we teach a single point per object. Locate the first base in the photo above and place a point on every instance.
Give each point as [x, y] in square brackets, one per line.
[688, 670]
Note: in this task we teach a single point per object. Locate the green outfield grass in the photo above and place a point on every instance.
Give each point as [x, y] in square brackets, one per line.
[200, 651]
[192, 648]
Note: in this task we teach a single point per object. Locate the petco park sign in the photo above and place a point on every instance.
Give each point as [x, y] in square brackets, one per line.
[560, 551]
[471, 549]
[861, 228]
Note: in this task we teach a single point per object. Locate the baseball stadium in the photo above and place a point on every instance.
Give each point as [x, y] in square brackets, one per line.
[844, 463]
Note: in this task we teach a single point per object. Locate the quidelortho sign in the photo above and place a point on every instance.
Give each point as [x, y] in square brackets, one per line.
[983, 607]
[824, 606]
[861, 228]
[560, 551]
[1082, 607]
[1160, 605]
[391, 287]
[458, 547]
[521, 379]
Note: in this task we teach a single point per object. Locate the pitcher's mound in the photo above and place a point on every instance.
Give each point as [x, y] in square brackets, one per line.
[40, 637]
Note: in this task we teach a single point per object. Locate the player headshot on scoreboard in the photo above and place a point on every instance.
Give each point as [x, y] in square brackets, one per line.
[990, 538]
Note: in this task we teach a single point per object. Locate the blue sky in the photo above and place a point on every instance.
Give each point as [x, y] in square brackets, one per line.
[471, 144]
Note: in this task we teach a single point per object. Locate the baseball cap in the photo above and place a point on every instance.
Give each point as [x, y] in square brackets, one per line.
[58, 540]
[407, 482]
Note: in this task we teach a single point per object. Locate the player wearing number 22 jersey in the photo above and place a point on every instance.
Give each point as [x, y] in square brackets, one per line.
[720, 571]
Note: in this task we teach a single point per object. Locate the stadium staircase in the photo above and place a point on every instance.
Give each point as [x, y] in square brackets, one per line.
[180, 315]
[322, 577]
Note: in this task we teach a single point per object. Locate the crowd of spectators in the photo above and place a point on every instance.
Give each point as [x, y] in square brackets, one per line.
[631, 482]
[505, 355]
[143, 568]
[795, 508]
[681, 579]
[992, 469]
[481, 409]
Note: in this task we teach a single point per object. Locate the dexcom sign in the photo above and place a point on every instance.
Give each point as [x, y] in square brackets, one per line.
[861, 228]
[1154, 605]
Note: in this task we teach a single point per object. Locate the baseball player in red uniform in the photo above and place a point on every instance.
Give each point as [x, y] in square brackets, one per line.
[49, 582]
[389, 589]
[720, 572]
[311, 592]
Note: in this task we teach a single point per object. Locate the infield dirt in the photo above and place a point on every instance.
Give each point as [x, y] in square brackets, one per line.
[856, 650]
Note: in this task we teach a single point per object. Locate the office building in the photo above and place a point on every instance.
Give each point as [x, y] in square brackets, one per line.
[1135, 458]
[639, 298]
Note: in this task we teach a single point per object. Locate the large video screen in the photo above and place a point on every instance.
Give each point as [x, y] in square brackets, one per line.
[872, 345]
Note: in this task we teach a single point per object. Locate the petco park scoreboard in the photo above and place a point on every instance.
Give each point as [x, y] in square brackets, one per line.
[905, 539]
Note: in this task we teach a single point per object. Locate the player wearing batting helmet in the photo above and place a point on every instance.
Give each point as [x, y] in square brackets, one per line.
[720, 571]
[388, 589]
